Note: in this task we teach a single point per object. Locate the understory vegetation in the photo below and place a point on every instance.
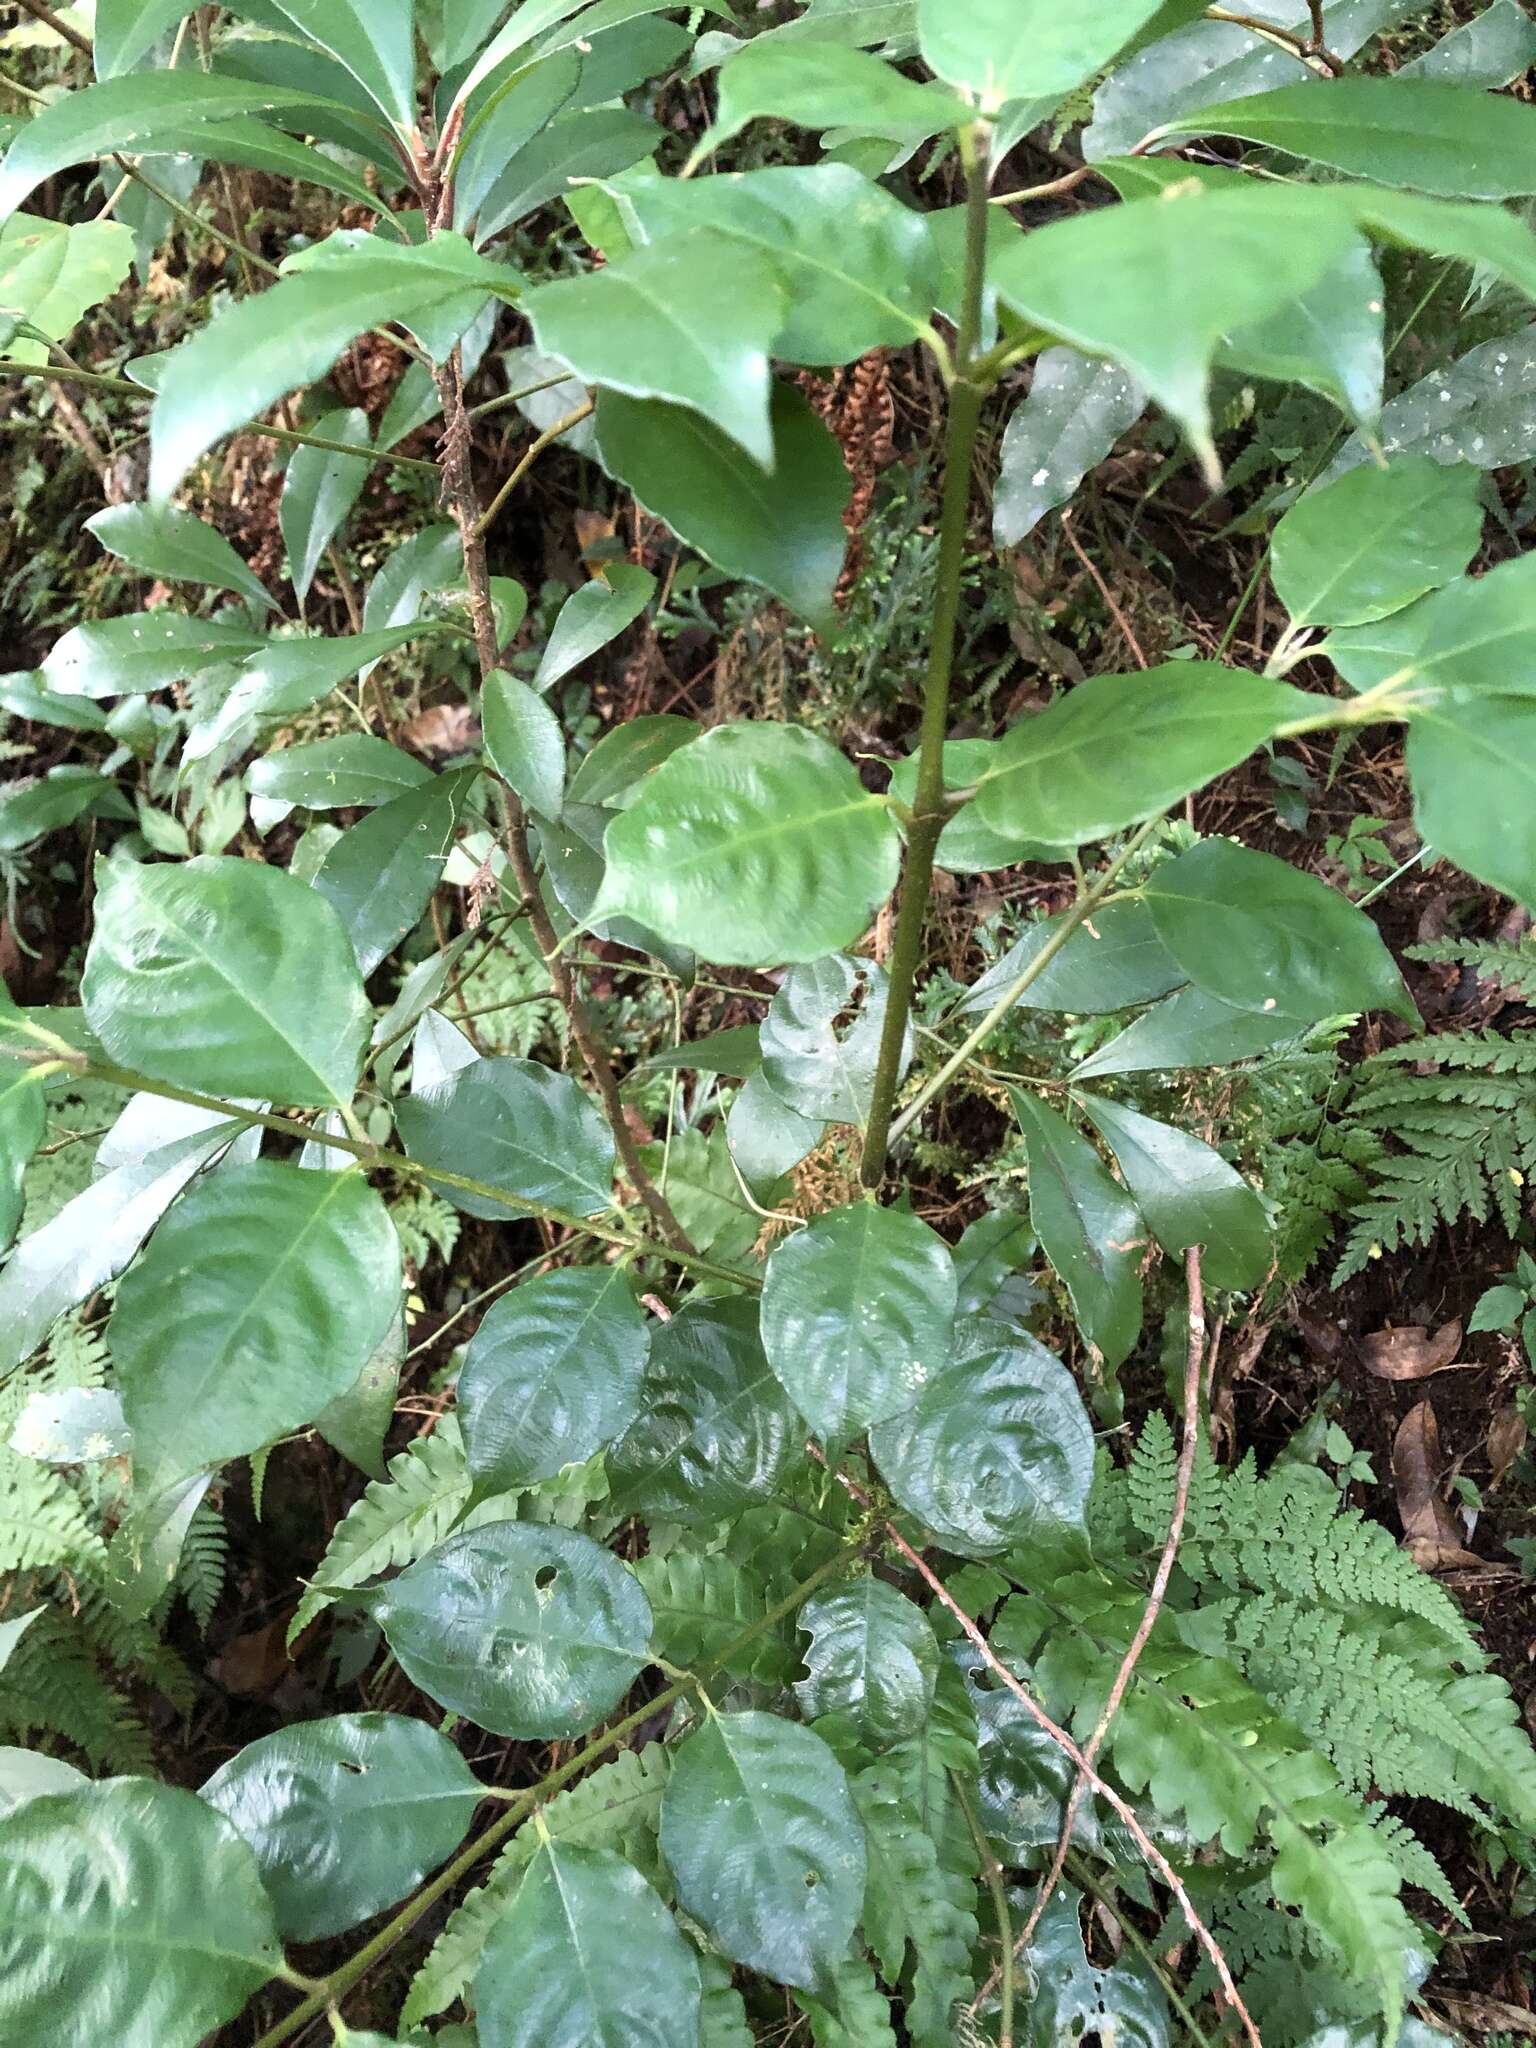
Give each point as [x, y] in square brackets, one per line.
[768, 1047]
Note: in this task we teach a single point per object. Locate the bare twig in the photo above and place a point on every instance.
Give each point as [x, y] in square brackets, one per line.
[1193, 1378]
[49, 19]
[1103, 589]
[530, 456]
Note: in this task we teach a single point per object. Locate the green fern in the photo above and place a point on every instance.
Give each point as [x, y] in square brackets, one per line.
[204, 1563]
[723, 2015]
[859, 2013]
[1495, 963]
[915, 1908]
[700, 1601]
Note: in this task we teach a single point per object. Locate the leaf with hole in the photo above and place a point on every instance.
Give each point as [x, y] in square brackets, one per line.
[820, 1041]
[873, 1661]
[518, 1127]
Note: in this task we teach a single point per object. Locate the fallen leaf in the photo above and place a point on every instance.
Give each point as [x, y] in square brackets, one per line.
[1411, 1353]
[441, 729]
[1506, 1440]
[1431, 1535]
[256, 1662]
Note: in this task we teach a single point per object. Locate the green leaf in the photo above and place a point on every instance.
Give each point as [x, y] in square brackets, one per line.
[355, 770]
[357, 1422]
[1374, 540]
[1474, 789]
[320, 489]
[991, 1250]
[967, 846]
[708, 1200]
[261, 1298]
[228, 977]
[289, 676]
[524, 742]
[29, 1774]
[382, 872]
[1259, 934]
[690, 320]
[572, 849]
[1118, 749]
[715, 1432]
[873, 1660]
[1492, 49]
[1071, 1998]
[1112, 961]
[996, 1449]
[292, 334]
[782, 529]
[1347, 1886]
[376, 44]
[1480, 409]
[756, 844]
[822, 86]
[764, 1136]
[820, 1041]
[528, 1631]
[761, 1833]
[430, 561]
[1190, 1029]
[1330, 339]
[143, 651]
[586, 1952]
[174, 545]
[501, 122]
[1076, 410]
[599, 144]
[553, 1374]
[126, 30]
[860, 267]
[23, 1119]
[29, 810]
[345, 1815]
[514, 1125]
[1157, 285]
[1088, 1226]
[588, 620]
[858, 1310]
[134, 1909]
[1459, 645]
[51, 276]
[1000, 50]
[1428, 135]
[1188, 1194]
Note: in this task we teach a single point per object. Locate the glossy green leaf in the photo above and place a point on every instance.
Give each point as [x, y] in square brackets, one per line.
[345, 1815]
[968, 845]
[1190, 1029]
[1330, 339]
[292, 334]
[71, 1426]
[517, 1126]
[126, 30]
[1157, 285]
[260, 1299]
[1073, 1998]
[1111, 962]
[572, 849]
[225, 976]
[690, 320]
[588, 620]
[1479, 409]
[503, 121]
[174, 545]
[997, 1449]
[25, 695]
[320, 489]
[764, 1136]
[22, 1122]
[1119, 749]
[1188, 1193]
[357, 1422]
[873, 1660]
[1492, 48]
[143, 651]
[1088, 1226]
[289, 676]
[527, 1631]
[1076, 410]
[858, 1312]
[1026, 1779]
[1473, 770]
[1000, 50]
[134, 1909]
[28, 1774]
[1468, 641]
[990, 1252]
[376, 44]
[757, 844]
[760, 1831]
[31, 809]
[715, 1432]
[1431, 136]
[553, 1374]
[1259, 934]
[625, 756]
[329, 775]
[382, 872]
[1374, 540]
[824, 86]
[586, 1954]
[860, 267]
[783, 530]
[551, 163]
[524, 742]
[820, 1041]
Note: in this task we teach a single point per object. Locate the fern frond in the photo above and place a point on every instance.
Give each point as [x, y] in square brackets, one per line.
[42, 1521]
[859, 2015]
[1495, 963]
[204, 1561]
[1347, 1885]
[913, 1904]
[701, 1601]
[53, 1688]
[1415, 1865]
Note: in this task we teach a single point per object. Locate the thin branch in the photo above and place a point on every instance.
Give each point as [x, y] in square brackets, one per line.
[992, 1874]
[1053, 188]
[550, 435]
[46, 15]
[1193, 1382]
[1103, 589]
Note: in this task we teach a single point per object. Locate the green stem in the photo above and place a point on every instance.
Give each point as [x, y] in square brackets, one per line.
[992, 1872]
[1082, 1874]
[930, 808]
[521, 1805]
[248, 258]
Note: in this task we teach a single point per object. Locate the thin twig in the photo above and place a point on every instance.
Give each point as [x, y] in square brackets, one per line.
[1193, 1380]
[992, 1874]
[46, 15]
[1051, 189]
[550, 435]
[1103, 589]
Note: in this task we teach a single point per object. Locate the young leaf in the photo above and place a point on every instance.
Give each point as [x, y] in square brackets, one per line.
[1111, 962]
[1077, 409]
[135, 1909]
[382, 872]
[996, 1449]
[260, 1299]
[873, 1660]
[599, 144]
[821, 86]
[1188, 1194]
[1374, 540]
[858, 1312]
[1257, 933]
[524, 743]
[760, 1831]
[1430, 136]
[228, 977]
[783, 530]
[178, 547]
[529, 1632]
[715, 1432]
[820, 1041]
[514, 1125]
[1119, 749]
[586, 1952]
[143, 651]
[588, 620]
[319, 491]
[1088, 1227]
[288, 676]
[502, 122]
[353, 771]
[376, 44]
[553, 1373]
[755, 845]
[345, 1815]
[1001, 50]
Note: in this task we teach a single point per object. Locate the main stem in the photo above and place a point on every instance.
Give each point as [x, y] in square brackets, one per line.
[930, 809]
